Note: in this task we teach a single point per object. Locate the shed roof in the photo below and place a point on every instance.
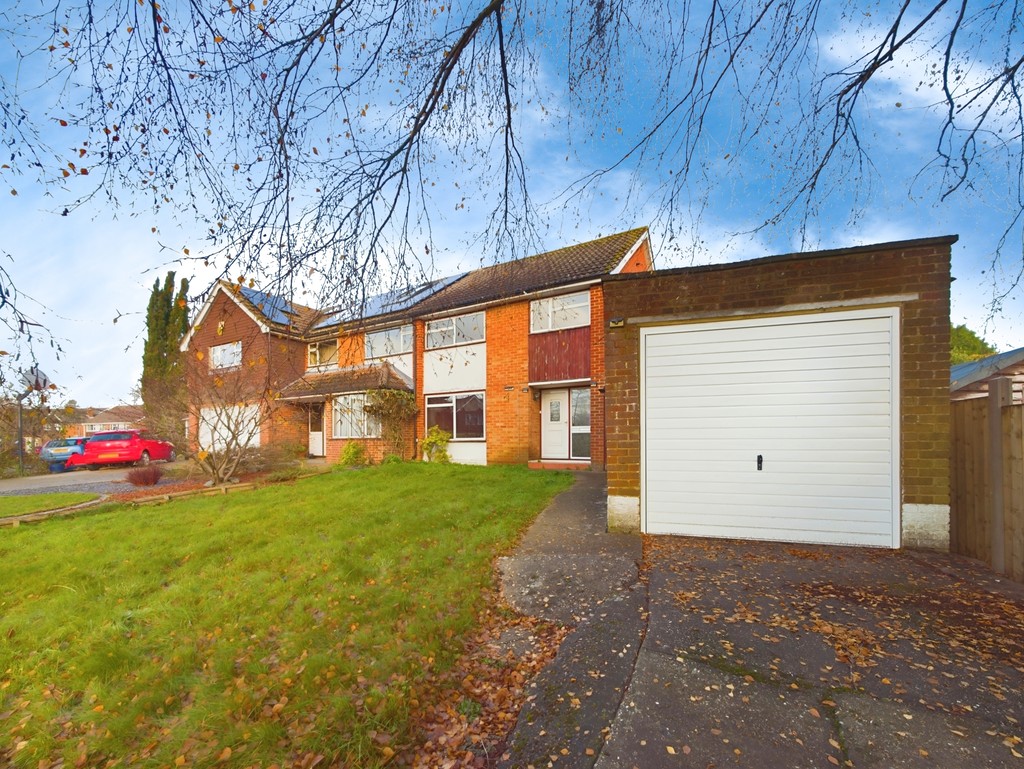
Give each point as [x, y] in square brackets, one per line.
[971, 379]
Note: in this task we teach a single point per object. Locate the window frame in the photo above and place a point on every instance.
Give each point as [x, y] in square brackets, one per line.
[316, 347]
[546, 305]
[369, 427]
[454, 329]
[220, 352]
[428, 408]
[404, 334]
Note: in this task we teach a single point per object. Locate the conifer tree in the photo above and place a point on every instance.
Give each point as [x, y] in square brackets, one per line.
[163, 382]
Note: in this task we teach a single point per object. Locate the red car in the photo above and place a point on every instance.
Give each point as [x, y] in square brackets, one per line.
[122, 447]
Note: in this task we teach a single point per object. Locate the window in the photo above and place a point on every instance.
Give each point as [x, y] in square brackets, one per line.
[226, 355]
[351, 420]
[460, 415]
[579, 423]
[390, 341]
[557, 312]
[322, 354]
[462, 329]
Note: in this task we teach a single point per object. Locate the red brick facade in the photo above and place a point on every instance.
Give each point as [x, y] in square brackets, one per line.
[274, 356]
[913, 276]
[268, 363]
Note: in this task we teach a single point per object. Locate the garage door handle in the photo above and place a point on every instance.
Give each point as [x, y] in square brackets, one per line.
[760, 461]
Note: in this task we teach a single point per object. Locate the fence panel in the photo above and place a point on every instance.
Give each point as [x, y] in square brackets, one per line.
[976, 485]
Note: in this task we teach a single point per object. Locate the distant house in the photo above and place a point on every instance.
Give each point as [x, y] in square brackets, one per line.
[86, 421]
[971, 380]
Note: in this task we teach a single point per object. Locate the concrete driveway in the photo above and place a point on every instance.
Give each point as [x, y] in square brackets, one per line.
[70, 481]
[753, 654]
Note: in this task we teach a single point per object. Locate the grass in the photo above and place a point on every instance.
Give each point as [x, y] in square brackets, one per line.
[33, 503]
[262, 628]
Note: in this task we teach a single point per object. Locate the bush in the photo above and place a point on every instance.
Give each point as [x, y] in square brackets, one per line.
[435, 446]
[392, 459]
[149, 475]
[353, 455]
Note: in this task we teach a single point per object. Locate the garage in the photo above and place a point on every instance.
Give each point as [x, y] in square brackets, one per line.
[777, 428]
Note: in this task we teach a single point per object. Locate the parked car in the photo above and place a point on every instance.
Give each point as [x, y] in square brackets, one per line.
[119, 447]
[57, 452]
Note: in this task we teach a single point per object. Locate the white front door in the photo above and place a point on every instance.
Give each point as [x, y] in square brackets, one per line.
[554, 428]
[316, 430]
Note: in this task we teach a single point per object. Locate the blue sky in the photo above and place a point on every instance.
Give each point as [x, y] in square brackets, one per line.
[87, 276]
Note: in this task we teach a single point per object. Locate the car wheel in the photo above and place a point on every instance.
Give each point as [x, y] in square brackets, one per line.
[172, 456]
[144, 459]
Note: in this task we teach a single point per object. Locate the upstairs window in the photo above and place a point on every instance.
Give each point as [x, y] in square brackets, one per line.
[557, 312]
[226, 355]
[322, 354]
[390, 341]
[462, 329]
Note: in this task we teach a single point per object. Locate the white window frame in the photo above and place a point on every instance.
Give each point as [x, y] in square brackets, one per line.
[224, 356]
[575, 429]
[547, 314]
[470, 328]
[396, 340]
[315, 354]
[348, 415]
[438, 405]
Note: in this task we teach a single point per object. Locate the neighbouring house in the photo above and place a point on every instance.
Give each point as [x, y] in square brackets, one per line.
[242, 348]
[972, 379]
[83, 422]
[507, 359]
[799, 398]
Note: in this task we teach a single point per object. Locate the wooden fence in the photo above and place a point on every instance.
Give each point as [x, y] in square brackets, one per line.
[987, 480]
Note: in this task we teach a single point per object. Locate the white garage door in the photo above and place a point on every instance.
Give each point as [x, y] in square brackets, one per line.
[782, 429]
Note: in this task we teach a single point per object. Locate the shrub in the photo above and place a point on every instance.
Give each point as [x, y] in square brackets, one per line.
[149, 475]
[392, 459]
[435, 445]
[353, 455]
[394, 409]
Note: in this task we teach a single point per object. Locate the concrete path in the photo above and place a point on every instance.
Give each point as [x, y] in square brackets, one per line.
[762, 654]
[77, 480]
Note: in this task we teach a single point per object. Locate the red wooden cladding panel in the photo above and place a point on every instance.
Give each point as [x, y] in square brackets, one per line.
[560, 355]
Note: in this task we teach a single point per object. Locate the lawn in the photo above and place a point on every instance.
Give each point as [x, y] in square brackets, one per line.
[23, 504]
[268, 627]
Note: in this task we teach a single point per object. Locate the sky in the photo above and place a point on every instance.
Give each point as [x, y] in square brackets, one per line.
[86, 277]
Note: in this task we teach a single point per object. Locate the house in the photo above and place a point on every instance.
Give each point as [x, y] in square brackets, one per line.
[81, 423]
[242, 348]
[507, 359]
[800, 398]
[972, 379]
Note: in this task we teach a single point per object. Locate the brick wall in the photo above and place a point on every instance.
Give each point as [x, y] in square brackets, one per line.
[800, 283]
[640, 261]
[509, 406]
